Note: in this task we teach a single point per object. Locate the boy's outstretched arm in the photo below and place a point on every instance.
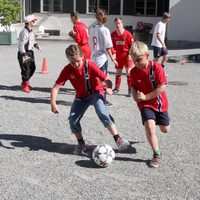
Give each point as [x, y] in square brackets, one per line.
[54, 92]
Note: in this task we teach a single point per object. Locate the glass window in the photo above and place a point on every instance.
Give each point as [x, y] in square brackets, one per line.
[47, 5]
[139, 7]
[57, 5]
[94, 4]
[145, 7]
[52, 5]
[151, 7]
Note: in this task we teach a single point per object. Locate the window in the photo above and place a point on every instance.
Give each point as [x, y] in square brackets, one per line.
[146, 7]
[139, 7]
[94, 4]
[151, 7]
[52, 5]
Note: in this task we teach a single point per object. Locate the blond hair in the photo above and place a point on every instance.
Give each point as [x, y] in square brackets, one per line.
[73, 50]
[166, 15]
[138, 49]
[101, 16]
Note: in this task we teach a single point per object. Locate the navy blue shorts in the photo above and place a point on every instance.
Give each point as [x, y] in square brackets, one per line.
[104, 67]
[158, 52]
[161, 118]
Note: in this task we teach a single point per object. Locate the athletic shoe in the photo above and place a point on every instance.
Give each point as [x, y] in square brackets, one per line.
[107, 103]
[80, 149]
[155, 162]
[25, 87]
[122, 144]
[115, 91]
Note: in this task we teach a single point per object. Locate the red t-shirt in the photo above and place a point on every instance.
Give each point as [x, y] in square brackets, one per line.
[140, 80]
[77, 79]
[122, 43]
[81, 33]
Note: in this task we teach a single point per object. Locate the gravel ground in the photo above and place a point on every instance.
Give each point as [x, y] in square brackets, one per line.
[36, 146]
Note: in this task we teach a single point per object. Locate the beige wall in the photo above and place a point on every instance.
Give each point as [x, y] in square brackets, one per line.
[185, 22]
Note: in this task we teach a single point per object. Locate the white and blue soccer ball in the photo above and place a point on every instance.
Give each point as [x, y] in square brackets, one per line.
[103, 155]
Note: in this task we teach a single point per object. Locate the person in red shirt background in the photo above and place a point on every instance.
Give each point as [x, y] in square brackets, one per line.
[122, 41]
[148, 85]
[80, 34]
[86, 77]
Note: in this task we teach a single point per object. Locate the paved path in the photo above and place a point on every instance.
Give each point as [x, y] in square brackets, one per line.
[36, 146]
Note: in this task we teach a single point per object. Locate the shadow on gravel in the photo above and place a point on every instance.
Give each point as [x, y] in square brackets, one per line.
[35, 143]
[35, 100]
[88, 164]
[41, 89]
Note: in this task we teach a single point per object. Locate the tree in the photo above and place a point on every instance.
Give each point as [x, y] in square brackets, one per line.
[9, 12]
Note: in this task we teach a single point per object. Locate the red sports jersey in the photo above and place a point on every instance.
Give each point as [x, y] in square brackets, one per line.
[122, 43]
[81, 33]
[142, 81]
[77, 79]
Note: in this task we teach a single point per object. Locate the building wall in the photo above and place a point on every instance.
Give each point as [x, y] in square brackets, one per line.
[184, 24]
[182, 27]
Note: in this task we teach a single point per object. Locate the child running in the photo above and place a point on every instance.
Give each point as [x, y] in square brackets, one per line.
[80, 34]
[86, 77]
[148, 84]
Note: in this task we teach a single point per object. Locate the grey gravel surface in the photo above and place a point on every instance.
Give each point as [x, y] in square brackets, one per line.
[36, 146]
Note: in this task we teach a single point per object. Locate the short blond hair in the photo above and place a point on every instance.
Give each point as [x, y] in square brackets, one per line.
[138, 49]
[166, 15]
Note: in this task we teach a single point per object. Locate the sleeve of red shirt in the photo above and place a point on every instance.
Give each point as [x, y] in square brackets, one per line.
[130, 40]
[63, 77]
[159, 74]
[77, 35]
[132, 80]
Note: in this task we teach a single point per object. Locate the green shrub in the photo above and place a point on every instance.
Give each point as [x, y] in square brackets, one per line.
[9, 12]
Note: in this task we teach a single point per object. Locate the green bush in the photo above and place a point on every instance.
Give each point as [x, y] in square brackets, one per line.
[9, 12]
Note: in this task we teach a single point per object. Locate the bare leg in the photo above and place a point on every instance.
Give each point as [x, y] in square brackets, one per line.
[150, 128]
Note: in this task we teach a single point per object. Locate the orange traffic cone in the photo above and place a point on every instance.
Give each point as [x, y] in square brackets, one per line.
[44, 66]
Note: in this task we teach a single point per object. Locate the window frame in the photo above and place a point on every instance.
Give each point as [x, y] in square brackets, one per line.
[145, 9]
[51, 7]
[96, 6]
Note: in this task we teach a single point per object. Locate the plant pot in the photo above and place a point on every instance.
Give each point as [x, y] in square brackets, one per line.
[8, 37]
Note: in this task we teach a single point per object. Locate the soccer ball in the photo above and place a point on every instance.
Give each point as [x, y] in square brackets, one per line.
[103, 155]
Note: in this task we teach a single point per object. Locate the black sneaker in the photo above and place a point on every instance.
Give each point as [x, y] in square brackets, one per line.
[155, 162]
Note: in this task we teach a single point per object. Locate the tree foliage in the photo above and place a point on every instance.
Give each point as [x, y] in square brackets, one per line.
[9, 12]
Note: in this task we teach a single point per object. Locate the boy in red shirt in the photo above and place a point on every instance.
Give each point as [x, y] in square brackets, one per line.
[80, 34]
[122, 41]
[86, 79]
[148, 85]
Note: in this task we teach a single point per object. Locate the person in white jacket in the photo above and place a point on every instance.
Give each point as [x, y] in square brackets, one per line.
[25, 52]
